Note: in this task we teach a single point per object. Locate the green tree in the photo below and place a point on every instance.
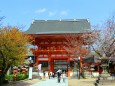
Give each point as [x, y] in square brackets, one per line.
[13, 49]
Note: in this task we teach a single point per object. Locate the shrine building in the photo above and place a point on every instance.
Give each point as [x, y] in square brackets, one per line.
[49, 37]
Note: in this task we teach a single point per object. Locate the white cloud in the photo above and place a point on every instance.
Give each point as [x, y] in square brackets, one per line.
[41, 10]
[52, 13]
[63, 13]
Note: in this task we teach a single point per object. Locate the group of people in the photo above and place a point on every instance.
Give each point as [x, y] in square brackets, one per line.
[51, 75]
[59, 75]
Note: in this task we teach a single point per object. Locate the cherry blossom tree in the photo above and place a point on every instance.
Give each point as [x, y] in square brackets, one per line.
[103, 41]
[76, 47]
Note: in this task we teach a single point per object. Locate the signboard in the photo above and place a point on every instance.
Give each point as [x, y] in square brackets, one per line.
[43, 59]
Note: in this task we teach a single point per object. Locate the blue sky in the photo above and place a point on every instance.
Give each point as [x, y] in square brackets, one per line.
[22, 12]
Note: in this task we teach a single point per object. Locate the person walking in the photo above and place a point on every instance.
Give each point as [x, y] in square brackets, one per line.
[50, 74]
[59, 76]
[63, 76]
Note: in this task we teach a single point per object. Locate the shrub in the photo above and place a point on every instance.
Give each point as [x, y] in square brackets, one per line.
[19, 76]
[9, 77]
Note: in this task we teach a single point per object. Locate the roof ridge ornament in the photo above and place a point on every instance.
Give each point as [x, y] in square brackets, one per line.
[33, 21]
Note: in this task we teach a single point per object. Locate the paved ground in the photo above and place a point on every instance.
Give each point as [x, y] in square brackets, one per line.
[81, 82]
[90, 82]
[69, 82]
[51, 82]
[37, 82]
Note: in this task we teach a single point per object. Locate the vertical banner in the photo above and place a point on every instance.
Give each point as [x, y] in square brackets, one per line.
[30, 72]
[39, 67]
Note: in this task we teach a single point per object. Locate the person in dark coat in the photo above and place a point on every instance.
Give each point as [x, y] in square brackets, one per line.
[49, 75]
[44, 74]
[59, 76]
[53, 74]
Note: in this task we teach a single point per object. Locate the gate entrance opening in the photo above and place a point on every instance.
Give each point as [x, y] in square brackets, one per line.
[60, 65]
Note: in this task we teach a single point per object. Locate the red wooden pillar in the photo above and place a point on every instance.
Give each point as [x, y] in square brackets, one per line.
[81, 63]
[49, 63]
[68, 66]
[37, 61]
[52, 65]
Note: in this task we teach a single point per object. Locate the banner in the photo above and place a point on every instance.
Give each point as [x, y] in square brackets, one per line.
[39, 67]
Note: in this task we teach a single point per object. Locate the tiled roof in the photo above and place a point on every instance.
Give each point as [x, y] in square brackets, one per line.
[58, 26]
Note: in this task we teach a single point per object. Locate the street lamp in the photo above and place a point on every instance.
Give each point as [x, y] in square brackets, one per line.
[79, 67]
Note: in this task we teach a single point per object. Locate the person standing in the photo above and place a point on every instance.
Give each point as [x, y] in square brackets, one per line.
[44, 74]
[49, 75]
[53, 75]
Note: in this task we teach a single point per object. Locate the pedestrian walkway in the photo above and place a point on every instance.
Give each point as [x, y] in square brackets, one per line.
[51, 82]
[69, 82]
[81, 82]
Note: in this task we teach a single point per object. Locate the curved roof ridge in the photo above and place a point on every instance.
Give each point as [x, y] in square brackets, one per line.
[58, 26]
[62, 20]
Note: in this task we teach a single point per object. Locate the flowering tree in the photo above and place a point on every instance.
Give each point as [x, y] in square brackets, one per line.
[76, 47]
[13, 49]
[104, 40]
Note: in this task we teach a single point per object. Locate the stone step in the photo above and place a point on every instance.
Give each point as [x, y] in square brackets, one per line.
[107, 78]
[106, 82]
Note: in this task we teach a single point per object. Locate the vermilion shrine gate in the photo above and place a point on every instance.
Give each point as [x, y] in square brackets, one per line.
[49, 37]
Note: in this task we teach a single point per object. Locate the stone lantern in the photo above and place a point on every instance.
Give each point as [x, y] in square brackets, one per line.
[104, 65]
